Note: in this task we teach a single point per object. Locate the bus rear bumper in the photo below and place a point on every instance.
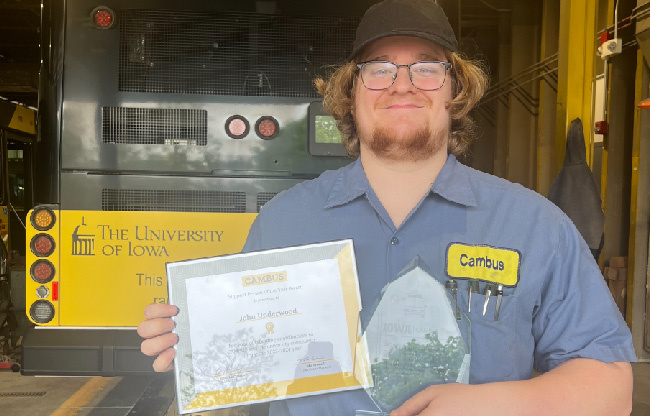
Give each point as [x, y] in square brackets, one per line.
[83, 352]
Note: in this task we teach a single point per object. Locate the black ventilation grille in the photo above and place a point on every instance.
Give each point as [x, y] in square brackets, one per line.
[229, 53]
[124, 125]
[263, 198]
[171, 200]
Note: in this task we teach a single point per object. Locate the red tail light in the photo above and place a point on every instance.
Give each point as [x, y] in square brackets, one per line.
[103, 17]
[42, 271]
[267, 127]
[42, 245]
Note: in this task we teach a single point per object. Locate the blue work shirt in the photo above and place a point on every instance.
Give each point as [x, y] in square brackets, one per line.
[559, 309]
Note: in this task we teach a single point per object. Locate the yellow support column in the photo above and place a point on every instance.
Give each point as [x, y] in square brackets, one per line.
[634, 187]
[546, 163]
[576, 60]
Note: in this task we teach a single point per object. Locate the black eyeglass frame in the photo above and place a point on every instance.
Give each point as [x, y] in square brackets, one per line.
[447, 66]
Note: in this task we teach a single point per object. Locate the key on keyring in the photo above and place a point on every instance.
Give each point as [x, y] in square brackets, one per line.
[489, 290]
[499, 299]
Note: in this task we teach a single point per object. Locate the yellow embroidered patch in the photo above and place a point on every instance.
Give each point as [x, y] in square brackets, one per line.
[490, 264]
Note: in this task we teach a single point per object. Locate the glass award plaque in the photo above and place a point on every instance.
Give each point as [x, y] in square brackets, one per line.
[416, 338]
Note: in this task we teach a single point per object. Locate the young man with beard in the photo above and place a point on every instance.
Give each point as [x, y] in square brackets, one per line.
[402, 104]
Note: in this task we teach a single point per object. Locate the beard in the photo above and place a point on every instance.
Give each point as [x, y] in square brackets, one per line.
[413, 146]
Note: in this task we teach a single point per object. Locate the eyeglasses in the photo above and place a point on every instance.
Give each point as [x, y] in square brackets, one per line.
[424, 75]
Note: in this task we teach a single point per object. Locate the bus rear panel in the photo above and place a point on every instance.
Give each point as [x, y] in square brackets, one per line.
[165, 126]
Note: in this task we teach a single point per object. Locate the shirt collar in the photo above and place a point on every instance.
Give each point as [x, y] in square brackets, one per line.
[350, 184]
[453, 183]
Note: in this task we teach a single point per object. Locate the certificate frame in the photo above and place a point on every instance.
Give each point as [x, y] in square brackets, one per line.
[194, 396]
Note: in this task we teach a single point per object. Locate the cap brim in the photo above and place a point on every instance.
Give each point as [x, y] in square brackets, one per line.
[445, 44]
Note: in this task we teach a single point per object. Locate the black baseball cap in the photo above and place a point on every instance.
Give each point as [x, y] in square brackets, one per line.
[420, 18]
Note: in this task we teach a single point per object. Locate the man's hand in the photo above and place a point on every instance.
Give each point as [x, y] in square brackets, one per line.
[580, 386]
[444, 399]
[156, 329]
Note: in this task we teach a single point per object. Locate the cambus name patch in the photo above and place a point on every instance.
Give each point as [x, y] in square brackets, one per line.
[482, 262]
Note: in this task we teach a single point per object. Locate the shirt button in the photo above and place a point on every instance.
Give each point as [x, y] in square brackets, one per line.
[394, 241]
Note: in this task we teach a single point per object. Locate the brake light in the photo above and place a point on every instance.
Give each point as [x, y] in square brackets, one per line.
[267, 127]
[103, 17]
[42, 245]
[42, 271]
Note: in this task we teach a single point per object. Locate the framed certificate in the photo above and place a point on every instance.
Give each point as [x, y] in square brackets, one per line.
[267, 325]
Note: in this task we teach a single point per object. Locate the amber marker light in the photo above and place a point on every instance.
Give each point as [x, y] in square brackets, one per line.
[103, 17]
[644, 104]
[42, 218]
[42, 245]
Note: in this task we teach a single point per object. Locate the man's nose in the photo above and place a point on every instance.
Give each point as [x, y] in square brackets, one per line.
[402, 81]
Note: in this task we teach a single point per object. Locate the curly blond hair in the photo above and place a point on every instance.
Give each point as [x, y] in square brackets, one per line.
[468, 84]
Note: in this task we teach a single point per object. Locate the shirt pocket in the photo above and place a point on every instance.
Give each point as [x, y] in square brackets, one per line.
[493, 346]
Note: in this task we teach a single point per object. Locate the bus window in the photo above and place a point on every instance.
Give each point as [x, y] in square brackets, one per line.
[19, 191]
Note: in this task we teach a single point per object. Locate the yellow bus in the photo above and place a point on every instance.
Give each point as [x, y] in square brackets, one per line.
[17, 136]
[164, 127]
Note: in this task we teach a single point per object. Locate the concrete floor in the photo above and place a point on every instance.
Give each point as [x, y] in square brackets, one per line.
[96, 396]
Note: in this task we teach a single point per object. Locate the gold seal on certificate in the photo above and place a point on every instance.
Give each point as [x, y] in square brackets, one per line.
[267, 325]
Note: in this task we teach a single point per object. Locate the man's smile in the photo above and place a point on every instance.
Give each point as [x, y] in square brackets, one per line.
[401, 106]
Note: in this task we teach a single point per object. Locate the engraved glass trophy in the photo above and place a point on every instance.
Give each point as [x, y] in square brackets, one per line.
[417, 337]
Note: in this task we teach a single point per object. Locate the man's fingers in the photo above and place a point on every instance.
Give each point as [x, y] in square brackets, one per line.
[165, 361]
[157, 345]
[160, 310]
[417, 403]
[154, 327]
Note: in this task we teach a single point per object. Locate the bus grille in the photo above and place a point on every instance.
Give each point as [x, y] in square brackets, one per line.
[173, 200]
[229, 53]
[263, 198]
[124, 125]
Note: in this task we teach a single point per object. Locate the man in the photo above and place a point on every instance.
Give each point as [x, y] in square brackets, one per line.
[402, 104]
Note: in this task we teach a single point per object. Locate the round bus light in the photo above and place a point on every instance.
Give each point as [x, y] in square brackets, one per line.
[267, 128]
[42, 245]
[42, 218]
[42, 271]
[237, 127]
[41, 311]
[103, 17]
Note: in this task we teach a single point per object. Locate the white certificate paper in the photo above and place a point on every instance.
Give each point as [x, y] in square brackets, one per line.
[267, 325]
